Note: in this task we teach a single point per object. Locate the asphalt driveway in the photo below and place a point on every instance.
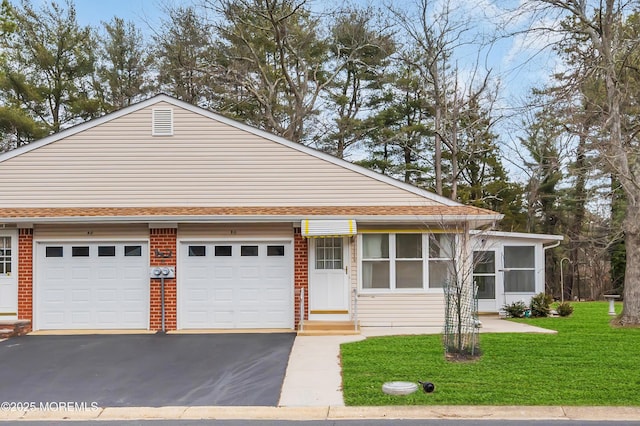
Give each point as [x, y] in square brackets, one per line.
[145, 370]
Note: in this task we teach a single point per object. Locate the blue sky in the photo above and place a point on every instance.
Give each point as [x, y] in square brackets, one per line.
[92, 12]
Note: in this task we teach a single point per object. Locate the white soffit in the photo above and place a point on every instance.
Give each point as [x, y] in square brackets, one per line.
[328, 228]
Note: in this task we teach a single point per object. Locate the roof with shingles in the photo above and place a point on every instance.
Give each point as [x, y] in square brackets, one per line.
[293, 211]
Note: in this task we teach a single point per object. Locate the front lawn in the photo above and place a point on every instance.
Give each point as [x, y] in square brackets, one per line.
[587, 363]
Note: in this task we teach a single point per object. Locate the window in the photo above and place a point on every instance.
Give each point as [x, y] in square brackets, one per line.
[375, 261]
[484, 273]
[519, 269]
[275, 250]
[441, 252]
[133, 251]
[248, 250]
[106, 251]
[54, 251]
[329, 253]
[223, 251]
[5, 255]
[404, 261]
[409, 261]
[197, 251]
[82, 251]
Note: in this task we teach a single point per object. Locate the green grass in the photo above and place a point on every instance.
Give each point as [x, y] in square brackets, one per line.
[587, 363]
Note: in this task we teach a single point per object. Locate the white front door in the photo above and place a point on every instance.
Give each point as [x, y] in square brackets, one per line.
[329, 279]
[8, 275]
[485, 279]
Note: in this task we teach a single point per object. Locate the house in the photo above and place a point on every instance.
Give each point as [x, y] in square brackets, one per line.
[164, 215]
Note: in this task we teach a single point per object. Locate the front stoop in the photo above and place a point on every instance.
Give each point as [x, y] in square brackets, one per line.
[14, 328]
[329, 328]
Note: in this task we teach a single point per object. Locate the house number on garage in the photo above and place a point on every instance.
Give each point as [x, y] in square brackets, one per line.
[163, 254]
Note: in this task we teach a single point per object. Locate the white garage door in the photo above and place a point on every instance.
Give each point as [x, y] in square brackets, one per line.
[92, 286]
[236, 285]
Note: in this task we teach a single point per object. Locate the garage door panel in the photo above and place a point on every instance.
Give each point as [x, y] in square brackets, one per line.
[80, 273]
[223, 317]
[108, 317]
[197, 295]
[81, 318]
[223, 272]
[246, 287]
[133, 273]
[104, 290]
[249, 272]
[275, 295]
[54, 317]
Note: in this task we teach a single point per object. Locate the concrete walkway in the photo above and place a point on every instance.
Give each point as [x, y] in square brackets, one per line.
[314, 374]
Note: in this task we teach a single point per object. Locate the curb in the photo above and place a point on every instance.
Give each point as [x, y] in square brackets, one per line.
[334, 413]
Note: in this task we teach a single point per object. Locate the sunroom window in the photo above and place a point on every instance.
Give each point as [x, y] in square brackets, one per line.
[519, 269]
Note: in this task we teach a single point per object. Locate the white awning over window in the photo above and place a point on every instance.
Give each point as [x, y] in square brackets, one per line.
[328, 228]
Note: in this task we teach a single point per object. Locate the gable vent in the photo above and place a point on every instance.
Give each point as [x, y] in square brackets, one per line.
[162, 124]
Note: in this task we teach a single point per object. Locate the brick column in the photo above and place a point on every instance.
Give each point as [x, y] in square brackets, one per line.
[25, 275]
[165, 241]
[300, 273]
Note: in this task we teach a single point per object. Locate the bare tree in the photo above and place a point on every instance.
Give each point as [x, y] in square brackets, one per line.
[437, 33]
[605, 55]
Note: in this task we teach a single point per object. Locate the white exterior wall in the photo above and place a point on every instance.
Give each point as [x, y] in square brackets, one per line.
[205, 163]
[401, 310]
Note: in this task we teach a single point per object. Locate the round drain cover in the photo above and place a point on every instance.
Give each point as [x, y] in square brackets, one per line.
[399, 388]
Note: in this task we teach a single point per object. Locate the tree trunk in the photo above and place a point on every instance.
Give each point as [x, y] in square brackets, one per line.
[631, 310]
[438, 148]
[575, 228]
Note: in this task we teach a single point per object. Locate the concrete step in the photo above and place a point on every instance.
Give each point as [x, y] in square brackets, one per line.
[328, 333]
[328, 328]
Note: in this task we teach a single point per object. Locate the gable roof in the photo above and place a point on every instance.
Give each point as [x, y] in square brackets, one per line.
[162, 98]
[115, 169]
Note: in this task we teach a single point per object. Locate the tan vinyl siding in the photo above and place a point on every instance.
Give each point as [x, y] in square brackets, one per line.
[138, 232]
[401, 310]
[235, 231]
[206, 163]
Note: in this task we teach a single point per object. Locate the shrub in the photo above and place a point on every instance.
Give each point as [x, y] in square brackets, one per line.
[515, 309]
[564, 309]
[541, 305]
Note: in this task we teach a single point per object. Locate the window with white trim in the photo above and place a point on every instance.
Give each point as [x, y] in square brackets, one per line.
[406, 261]
[375, 261]
[519, 269]
[5, 256]
[441, 252]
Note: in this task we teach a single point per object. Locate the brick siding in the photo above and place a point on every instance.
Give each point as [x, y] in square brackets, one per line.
[300, 273]
[25, 275]
[163, 240]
